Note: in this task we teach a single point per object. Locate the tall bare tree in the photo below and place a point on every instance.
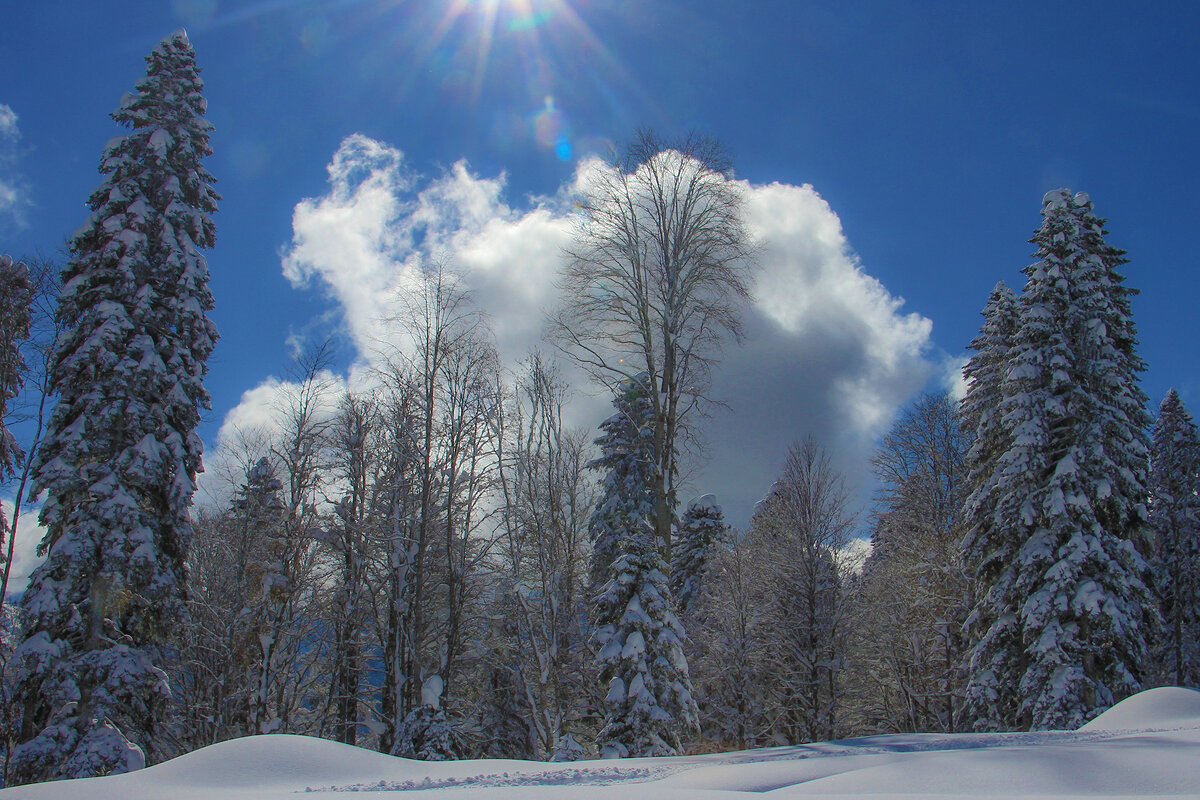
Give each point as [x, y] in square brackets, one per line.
[355, 455]
[28, 334]
[542, 565]
[445, 369]
[800, 532]
[395, 597]
[655, 279]
[289, 582]
[914, 596]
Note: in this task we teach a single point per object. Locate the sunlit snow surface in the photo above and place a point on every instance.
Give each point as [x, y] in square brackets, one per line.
[1147, 746]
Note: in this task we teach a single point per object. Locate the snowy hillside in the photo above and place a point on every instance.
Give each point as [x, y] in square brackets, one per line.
[1146, 746]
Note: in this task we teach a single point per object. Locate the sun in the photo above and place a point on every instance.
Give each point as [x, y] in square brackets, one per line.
[522, 68]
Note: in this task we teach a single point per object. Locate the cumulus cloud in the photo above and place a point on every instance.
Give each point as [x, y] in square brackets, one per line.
[255, 424]
[369, 236]
[829, 351]
[350, 238]
[812, 287]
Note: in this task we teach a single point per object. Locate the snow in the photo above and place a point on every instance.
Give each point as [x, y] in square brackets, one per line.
[431, 691]
[1145, 746]
[1056, 197]
[1168, 707]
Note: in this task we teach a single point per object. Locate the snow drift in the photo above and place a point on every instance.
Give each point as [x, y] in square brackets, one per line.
[1146, 746]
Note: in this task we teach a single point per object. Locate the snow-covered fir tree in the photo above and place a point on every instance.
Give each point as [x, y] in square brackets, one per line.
[623, 443]
[700, 529]
[1061, 626]
[16, 298]
[425, 732]
[119, 462]
[567, 749]
[649, 701]
[981, 420]
[1175, 522]
[987, 552]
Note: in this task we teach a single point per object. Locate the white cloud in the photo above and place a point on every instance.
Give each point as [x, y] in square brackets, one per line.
[12, 198]
[952, 377]
[811, 285]
[254, 425]
[369, 235]
[829, 350]
[255, 411]
[8, 123]
[29, 536]
[351, 237]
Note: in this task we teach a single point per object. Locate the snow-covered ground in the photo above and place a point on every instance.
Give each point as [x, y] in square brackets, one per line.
[1146, 746]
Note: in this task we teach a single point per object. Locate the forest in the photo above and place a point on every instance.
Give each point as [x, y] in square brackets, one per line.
[440, 567]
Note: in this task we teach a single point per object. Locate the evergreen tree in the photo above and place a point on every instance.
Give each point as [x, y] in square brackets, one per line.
[1064, 613]
[980, 417]
[702, 526]
[424, 735]
[119, 462]
[1175, 521]
[567, 749]
[639, 638]
[624, 443]
[425, 732]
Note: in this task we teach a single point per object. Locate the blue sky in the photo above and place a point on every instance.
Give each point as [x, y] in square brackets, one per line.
[927, 132]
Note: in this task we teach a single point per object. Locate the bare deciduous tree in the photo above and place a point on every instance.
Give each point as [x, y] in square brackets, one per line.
[655, 279]
[445, 369]
[542, 563]
[289, 585]
[355, 454]
[800, 531]
[914, 596]
[26, 355]
[771, 640]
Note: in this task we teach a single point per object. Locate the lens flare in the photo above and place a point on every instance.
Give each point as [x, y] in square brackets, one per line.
[551, 129]
[548, 125]
[529, 21]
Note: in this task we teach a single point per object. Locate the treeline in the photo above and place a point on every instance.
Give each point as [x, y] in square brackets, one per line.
[334, 601]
